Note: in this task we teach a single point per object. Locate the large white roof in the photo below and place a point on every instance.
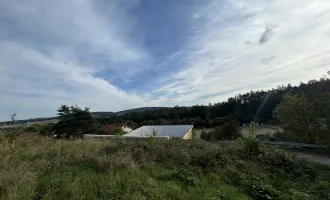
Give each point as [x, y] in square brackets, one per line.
[176, 131]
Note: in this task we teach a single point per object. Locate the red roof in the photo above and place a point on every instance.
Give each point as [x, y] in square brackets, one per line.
[112, 128]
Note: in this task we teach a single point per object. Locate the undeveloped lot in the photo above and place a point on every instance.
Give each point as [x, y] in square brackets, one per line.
[261, 130]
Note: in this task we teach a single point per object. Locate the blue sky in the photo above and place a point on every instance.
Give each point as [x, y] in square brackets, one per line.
[112, 55]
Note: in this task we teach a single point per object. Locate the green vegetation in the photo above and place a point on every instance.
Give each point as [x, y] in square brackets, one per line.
[303, 119]
[229, 131]
[162, 169]
[42, 129]
[255, 106]
[74, 122]
[44, 168]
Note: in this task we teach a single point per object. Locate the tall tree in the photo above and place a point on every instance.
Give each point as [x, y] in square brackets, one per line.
[322, 109]
[74, 122]
[297, 117]
[252, 106]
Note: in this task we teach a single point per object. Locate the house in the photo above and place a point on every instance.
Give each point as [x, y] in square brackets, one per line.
[126, 129]
[116, 128]
[168, 131]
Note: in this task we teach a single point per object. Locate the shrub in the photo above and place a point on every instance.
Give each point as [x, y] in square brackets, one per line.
[251, 148]
[184, 176]
[205, 136]
[35, 128]
[208, 160]
[229, 131]
[47, 130]
[259, 190]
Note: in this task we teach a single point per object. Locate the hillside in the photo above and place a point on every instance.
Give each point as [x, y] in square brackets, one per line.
[142, 109]
[95, 114]
[124, 112]
[252, 106]
[154, 169]
[255, 106]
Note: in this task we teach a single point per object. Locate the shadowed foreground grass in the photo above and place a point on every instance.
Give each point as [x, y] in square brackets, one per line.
[154, 169]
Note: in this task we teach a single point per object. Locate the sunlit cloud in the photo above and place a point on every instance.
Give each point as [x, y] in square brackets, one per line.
[238, 46]
[116, 55]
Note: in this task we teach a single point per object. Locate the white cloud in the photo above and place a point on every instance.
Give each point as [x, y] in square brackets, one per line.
[38, 82]
[51, 49]
[231, 40]
[79, 26]
[51, 52]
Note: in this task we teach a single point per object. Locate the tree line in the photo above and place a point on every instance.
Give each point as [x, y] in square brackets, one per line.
[303, 112]
[255, 106]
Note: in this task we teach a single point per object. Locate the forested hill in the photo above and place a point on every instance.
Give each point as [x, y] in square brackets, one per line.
[95, 114]
[255, 105]
[124, 112]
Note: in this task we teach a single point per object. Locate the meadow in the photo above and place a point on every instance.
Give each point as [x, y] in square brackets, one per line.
[260, 130]
[44, 168]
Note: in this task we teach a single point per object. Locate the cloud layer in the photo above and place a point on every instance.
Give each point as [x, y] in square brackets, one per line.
[52, 49]
[114, 55]
[238, 46]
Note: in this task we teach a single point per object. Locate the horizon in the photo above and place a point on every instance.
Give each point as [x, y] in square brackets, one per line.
[120, 55]
[187, 106]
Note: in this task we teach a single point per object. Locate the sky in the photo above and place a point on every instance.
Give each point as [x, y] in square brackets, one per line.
[112, 55]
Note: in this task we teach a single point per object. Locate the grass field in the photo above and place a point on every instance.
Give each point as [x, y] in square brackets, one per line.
[261, 130]
[41, 168]
[53, 121]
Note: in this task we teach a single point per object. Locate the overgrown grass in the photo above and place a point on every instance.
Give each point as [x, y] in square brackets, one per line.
[154, 169]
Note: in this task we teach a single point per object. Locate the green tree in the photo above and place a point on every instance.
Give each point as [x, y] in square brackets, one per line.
[297, 117]
[74, 122]
[229, 131]
[322, 107]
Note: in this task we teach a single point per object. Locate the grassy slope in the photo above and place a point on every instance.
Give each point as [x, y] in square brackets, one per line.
[175, 169]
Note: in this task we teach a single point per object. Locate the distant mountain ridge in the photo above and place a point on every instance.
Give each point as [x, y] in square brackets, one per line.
[95, 114]
[124, 112]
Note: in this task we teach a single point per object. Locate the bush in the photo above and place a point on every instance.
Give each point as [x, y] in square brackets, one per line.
[183, 176]
[35, 128]
[205, 136]
[251, 148]
[259, 190]
[229, 131]
[47, 130]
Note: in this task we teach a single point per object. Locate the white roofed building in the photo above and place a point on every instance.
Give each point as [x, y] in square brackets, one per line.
[170, 131]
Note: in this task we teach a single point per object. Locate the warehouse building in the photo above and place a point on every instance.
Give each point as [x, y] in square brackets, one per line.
[169, 131]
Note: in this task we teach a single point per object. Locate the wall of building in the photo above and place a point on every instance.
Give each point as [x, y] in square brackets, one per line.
[126, 129]
[188, 135]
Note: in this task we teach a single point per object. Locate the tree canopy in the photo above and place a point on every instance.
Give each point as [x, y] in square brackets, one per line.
[74, 122]
[255, 106]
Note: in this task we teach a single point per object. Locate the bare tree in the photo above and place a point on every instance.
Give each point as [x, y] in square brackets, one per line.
[13, 118]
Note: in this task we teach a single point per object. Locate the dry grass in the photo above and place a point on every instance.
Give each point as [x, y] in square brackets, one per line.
[261, 130]
[42, 168]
